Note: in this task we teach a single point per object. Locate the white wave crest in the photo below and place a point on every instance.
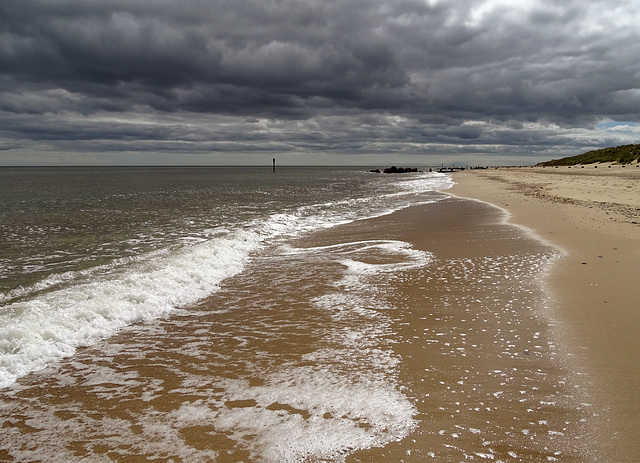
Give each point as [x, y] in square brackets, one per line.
[53, 325]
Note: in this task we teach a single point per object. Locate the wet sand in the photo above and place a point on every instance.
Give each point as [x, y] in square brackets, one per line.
[478, 346]
[593, 213]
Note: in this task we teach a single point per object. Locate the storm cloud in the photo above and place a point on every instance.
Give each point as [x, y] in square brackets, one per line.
[219, 81]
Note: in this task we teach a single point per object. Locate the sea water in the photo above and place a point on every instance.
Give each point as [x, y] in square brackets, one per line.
[192, 314]
[87, 251]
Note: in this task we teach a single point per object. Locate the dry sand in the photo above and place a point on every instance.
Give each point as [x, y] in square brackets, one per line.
[593, 214]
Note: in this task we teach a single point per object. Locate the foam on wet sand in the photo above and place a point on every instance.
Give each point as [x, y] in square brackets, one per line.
[593, 214]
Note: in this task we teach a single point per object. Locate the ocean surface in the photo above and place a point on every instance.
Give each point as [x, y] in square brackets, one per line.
[189, 314]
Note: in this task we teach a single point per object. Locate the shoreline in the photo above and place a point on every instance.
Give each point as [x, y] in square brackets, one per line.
[593, 215]
[458, 344]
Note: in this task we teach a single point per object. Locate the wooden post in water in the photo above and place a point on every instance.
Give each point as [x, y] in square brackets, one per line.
[274, 165]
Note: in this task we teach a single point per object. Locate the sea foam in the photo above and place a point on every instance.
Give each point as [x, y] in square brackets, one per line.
[52, 325]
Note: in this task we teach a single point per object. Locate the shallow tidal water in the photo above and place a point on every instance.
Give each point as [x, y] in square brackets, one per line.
[422, 335]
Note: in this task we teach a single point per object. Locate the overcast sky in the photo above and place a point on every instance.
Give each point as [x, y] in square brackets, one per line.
[316, 81]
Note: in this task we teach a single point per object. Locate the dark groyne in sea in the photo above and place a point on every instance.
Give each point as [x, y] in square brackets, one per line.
[404, 170]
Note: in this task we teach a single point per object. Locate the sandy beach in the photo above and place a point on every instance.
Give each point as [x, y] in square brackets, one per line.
[592, 214]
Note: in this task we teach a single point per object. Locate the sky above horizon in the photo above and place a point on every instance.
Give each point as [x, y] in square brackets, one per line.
[354, 82]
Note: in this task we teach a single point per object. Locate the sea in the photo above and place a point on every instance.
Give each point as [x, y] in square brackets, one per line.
[192, 314]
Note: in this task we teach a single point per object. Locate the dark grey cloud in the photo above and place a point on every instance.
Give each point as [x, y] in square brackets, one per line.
[305, 76]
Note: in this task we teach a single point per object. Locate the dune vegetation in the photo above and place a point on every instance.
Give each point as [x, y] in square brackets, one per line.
[624, 154]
